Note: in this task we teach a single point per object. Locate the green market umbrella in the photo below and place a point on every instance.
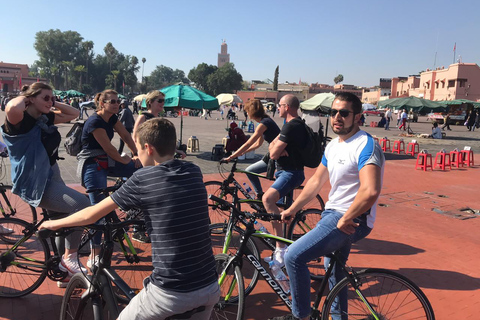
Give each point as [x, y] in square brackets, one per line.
[321, 102]
[59, 93]
[413, 103]
[73, 94]
[187, 97]
[460, 101]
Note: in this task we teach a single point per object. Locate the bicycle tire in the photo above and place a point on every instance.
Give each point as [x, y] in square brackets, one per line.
[16, 279]
[73, 308]
[391, 295]
[216, 215]
[249, 272]
[316, 203]
[304, 221]
[12, 206]
[228, 309]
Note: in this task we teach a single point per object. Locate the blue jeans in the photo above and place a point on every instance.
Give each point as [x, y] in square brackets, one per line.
[325, 238]
[387, 124]
[285, 182]
[257, 167]
[95, 177]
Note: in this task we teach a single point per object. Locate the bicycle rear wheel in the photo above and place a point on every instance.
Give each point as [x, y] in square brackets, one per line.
[22, 264]
[315, 203]
[217, 215]
[303, 222]
[76, 306]
[390, 295]
[12, 206]
[230, 286]
[249, 272]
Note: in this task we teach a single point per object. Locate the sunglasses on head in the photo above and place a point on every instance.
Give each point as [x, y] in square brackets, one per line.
[112, 101]
[161, 100]
[48, 98]
[343, 113]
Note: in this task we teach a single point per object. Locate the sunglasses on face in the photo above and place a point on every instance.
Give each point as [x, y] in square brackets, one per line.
[344, 113]
[161, 100]
[48, 98]
[112, 101]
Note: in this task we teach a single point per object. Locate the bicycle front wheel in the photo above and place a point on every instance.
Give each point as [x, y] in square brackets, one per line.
[315, 203]
[217, 215]
[22, 261]
[304, 221]
[231, 285]
[78, 305]
[249, 272]
[12, 206]
[381, 294]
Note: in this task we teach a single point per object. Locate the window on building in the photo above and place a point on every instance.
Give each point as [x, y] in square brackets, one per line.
[436, 85]
[443, 84]
[427, 85]
[451, 83]
[461, 83]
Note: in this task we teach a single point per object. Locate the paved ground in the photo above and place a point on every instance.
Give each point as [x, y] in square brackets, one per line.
[423, 229]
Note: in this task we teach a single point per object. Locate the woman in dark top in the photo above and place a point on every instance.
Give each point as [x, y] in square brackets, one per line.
[33, 140]
[99, 158]
[267, 130]
[155, 100]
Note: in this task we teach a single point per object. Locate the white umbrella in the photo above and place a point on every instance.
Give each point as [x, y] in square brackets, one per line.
[320, 102]
[368, 106]
[228, 98]
[140, 97]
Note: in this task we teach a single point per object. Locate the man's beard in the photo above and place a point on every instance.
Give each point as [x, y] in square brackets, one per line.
[344, 130]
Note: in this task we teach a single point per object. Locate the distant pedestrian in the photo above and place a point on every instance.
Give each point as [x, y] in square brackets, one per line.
[446, 122]
[274, 109]
[471, 120]
[399, 117]
[125, 116]
[135, 106]
[403, 117]
[388, 118]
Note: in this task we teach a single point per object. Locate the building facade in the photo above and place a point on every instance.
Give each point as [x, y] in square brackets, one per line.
[13, 76]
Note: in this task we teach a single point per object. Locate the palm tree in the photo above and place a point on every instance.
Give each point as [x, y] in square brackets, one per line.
[143, 66]
[80, 69]
[87, 45]
[115, 74]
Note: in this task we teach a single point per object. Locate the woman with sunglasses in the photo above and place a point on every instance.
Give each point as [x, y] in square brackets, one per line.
[32, 140]
[98, 157]
[154, 100]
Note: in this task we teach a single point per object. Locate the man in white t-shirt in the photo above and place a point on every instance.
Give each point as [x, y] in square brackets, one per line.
[388, 117]
[404, 120]
[353, 163]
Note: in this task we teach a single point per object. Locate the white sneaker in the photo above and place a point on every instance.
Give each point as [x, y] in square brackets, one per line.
[91, 263]
[71, 264]
[278, 256]
[5, 230]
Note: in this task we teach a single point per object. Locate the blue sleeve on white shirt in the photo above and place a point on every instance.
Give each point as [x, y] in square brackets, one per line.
[324, 161]
[366, 153]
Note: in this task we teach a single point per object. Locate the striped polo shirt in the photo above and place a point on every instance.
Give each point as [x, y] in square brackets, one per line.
[174, 201]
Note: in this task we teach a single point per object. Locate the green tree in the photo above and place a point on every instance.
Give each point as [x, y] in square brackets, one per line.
[225, 80]
[275, 79]
[338, 79]
[199, 76]
[53, 47]
[111, 53]
[87, 46]
[164, 76]
[80, 70]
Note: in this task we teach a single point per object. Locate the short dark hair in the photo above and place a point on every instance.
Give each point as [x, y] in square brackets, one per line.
[292, 101]
[350, 97]
[159, 133]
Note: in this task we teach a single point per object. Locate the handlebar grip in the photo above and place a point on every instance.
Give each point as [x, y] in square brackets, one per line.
[276, 216]
[44, 233]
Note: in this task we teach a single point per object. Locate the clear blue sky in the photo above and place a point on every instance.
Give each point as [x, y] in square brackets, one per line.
[310, 40]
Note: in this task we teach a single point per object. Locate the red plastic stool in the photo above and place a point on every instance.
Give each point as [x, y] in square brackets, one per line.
[376, 140]
[412, 148]
[444, 160]
[385, 144]
[456, 158]
[424, 161]
[466, 157]
[373, 124]
[398, 146]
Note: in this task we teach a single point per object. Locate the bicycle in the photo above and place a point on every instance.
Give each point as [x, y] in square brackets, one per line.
[224, 189]
[372, 293]
[92, 296]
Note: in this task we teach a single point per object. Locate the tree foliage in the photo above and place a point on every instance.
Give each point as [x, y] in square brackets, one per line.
[275, 79]
[164, 76]
[199, 76]
[213, 80]
[338, 79]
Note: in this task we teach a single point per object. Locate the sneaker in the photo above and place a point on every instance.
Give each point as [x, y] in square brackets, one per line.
[278, 256]
[285, 317]
[63, 283]
[4, 230]
[71, 264]
[91, 263]
[140, 236]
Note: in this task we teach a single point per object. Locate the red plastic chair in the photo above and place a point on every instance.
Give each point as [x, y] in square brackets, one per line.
[385, 144]
[398, 146]
[444, 160]
[456, 158]
[412, 148]
[466, 157]
[424, 161]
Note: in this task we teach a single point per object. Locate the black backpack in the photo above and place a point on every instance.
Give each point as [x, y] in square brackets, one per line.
[73, 141]
[313, 152]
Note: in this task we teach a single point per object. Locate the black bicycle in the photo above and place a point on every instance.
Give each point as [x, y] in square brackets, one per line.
[371, 293]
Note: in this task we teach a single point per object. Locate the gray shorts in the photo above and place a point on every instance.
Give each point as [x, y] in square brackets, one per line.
[156, 303]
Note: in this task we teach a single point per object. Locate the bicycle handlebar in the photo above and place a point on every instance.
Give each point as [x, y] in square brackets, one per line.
[47, 233]
[256, 215]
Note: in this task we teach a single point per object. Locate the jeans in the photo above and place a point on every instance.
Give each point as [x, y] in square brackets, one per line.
[257, 167]
[95, 177]
[122, 143]
[325, 238]
[387, 124]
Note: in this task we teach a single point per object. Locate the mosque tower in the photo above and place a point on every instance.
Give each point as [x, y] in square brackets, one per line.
[223, 56]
